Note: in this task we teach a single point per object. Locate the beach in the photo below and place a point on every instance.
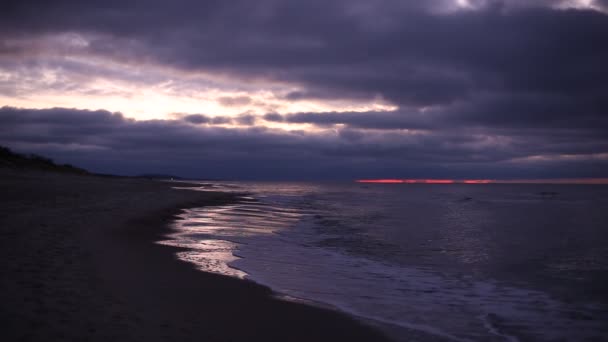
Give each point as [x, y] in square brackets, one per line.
[79, 261]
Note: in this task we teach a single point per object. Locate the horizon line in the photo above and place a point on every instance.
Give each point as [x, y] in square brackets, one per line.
[484, 181]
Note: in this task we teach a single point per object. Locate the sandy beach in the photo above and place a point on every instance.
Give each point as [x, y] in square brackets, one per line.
[79, 262]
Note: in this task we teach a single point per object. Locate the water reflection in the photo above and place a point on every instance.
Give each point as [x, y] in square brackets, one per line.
[438, 259]
[213, 235]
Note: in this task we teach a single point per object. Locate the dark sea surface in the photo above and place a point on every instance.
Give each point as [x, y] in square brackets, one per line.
[497, 262]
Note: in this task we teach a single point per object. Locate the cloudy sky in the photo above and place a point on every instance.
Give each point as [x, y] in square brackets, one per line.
[315, 89]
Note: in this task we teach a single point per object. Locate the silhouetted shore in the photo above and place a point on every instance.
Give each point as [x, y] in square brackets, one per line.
[79, 262]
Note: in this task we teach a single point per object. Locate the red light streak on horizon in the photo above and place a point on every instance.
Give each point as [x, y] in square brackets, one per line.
[437, 181]
[383, 181]
[407, 181]
[487, 181]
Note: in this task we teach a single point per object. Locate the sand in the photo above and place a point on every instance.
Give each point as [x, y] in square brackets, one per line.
[79, 262]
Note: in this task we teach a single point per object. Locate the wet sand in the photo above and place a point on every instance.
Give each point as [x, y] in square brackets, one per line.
[78, 262]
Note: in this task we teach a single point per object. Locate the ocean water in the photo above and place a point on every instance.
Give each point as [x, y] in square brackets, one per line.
[456, 262]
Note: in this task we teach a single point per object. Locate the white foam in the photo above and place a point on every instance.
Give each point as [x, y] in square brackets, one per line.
[419, 299]
[262, 243]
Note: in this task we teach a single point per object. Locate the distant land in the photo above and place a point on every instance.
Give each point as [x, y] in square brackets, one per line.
[13, 160]
[29, 161]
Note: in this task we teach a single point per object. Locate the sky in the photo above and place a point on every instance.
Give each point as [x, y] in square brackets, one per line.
[315, 89]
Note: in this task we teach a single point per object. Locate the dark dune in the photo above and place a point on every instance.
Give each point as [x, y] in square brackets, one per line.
[78, 262]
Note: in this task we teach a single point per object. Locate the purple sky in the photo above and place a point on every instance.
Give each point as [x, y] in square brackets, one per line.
[310, 89]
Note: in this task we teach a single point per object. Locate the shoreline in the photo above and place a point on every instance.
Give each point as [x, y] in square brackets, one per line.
[396, 331]
[80, 262]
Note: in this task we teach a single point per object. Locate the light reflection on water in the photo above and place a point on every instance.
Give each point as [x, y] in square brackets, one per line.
[212, 235]
[426, 261]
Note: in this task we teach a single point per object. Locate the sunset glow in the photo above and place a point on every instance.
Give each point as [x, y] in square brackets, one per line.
[53, 78]
[438, 169]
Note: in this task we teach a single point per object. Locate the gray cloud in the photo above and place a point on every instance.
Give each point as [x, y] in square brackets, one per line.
[376, 120]
[221, 120]
[196, 119]
[415, 58]
[108, 142]
[201, 119]
[246, 119]
[509, 79]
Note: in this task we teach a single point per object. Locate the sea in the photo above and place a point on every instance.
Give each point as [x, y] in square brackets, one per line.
[442, 262]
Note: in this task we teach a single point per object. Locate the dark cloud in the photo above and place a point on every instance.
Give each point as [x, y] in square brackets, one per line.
[196, 119]
[273, 117]
[376, 120]
[511, 115]
[399, 50]
[201, 119]
[503, 80]
[221, 120]
[246, 119]
[108, 142]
